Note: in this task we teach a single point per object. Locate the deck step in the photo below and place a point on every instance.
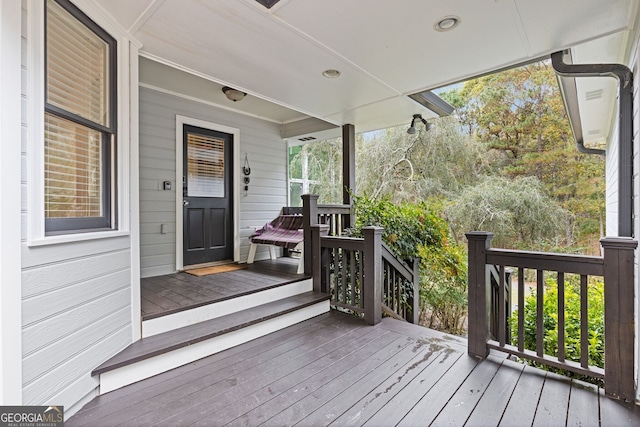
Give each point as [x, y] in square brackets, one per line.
[179, 318]
[165, 351]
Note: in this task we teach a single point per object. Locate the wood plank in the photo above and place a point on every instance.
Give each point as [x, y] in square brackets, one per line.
[355, 364]
[524, 399]
[420, 332]
[428, 408]
[382, 394]
[617, 413]
[324, 405]
[554, 401]
[234, 400]
[394, 411]
[582, 410]
[494, 401]
[188, 335]
[465, 399]
[238, 364]
[337, 364]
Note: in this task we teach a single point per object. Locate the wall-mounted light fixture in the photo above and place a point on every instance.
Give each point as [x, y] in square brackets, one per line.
[412, 128]
[233, 94]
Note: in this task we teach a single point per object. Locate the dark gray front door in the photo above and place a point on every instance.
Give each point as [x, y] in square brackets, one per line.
[207, 195]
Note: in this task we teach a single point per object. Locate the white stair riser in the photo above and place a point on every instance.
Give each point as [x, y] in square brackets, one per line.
[130, 374]
[211, 311]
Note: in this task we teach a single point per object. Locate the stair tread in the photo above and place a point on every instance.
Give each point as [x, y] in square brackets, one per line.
[188, 335]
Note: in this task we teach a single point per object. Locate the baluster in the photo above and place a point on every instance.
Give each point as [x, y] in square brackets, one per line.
[502, 317]
[352, 277]
[343, 273]
[520, 309]
[561, 342]
[584, 322]
[540, 313]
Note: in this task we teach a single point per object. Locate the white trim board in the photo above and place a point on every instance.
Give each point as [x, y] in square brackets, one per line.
[10, 194]
[211, 311]
[130, 374]
[183, 120]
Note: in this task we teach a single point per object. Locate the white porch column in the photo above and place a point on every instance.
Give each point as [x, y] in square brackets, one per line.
[10, 202]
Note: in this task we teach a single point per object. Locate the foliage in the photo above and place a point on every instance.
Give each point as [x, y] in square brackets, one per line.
[516, 210]
[519, 114]
[317, 169]
[434, 163]
[417, 230]
[595, 298]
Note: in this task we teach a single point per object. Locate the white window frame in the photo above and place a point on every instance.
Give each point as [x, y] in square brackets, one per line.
[35, 128]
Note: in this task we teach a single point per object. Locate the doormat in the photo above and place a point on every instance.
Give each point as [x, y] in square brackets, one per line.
[214, 270]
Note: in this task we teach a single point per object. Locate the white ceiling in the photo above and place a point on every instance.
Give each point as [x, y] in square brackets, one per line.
[384, 49]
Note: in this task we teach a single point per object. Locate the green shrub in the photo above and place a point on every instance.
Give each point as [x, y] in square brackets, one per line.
[595, 298]
[418, 230]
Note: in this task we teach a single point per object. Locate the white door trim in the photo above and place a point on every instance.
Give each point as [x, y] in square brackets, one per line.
[180, 121]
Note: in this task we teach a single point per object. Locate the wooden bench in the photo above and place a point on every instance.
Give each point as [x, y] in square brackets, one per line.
[286, 232]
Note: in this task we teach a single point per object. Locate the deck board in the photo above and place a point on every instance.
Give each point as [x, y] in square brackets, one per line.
[494, 401]
[463, 402]
[180, 291]
[524, 399]
[582, 412]
[554, 401]
[334, 369]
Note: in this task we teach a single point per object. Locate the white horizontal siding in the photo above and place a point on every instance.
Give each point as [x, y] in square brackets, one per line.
[76, 313]
[259, 139]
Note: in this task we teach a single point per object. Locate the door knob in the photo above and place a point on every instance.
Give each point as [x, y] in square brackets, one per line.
[185, 203]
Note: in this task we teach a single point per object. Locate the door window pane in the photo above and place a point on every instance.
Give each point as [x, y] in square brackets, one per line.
[205, 166]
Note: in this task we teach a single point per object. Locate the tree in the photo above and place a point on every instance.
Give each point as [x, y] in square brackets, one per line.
[435, 163]
[519, 114]
[518, 211]
[316, 168]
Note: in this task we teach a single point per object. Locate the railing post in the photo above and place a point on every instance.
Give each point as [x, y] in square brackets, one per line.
[319, 282]
[413, 312]
[619, 330]
[372, 289]
[309, 218]
[479, 293]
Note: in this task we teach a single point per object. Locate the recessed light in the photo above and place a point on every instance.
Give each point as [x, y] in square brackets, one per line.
[447, 23]
[331, 73]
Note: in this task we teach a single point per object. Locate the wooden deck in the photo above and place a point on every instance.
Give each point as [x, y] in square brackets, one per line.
[334, 369]
[172, 293]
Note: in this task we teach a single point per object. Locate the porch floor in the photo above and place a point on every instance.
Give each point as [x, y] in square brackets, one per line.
[172, 293]
[334, 369]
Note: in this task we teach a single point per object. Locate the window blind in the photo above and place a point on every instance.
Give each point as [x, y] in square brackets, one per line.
[77, 67]
[205, 166]
[72, 169]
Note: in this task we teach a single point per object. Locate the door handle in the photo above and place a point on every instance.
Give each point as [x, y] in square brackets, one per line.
[185, 203]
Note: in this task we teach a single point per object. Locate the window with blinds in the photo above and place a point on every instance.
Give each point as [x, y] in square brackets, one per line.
[79, 121]
[205, 166]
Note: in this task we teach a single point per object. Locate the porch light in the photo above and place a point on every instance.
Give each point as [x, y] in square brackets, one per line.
[412, 128]
[233, 94]
[447, 23]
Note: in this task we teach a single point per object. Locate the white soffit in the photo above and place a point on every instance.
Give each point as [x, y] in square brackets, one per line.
[597, 96]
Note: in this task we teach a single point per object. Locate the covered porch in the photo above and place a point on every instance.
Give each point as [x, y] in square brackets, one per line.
[334, 369]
